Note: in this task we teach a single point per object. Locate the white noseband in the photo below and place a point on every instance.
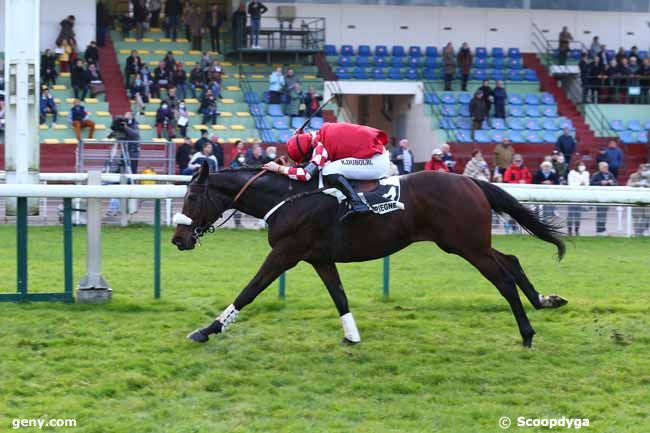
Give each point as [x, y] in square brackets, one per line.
[181, 219]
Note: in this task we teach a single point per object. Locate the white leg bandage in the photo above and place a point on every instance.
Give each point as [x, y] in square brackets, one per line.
[350, 328]
[228, 317]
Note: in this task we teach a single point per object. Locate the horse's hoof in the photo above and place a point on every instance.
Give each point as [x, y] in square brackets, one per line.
[528, 342]
[198, 336]
[346, 342]
[554, 301]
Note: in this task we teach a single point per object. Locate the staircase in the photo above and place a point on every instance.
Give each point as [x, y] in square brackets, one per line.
[118, 101]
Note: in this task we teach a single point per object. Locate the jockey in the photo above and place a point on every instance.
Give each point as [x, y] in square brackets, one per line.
[342, 151]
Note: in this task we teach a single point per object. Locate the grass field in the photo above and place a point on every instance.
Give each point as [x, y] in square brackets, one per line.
[442, 354]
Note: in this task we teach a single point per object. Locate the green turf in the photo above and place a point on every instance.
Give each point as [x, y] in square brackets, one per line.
[442, 355]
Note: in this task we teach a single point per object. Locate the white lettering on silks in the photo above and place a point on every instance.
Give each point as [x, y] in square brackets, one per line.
[350, 328]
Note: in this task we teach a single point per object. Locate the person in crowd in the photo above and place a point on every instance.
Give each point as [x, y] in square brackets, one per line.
[195, 21]
[517, 172]
[476, 167]
[565, 39]
[91, 55]
[95, 82]
[579, 176]
[465, 61]
[449, 65]
[165, 120]
[68, 58]
[312, 101]
[208, 108]
[47, 106]
[545, 175]
[641, 215]
[620, 55]
[634, 76]
[184, 154]
[594, 48]
[132, 131]
[611, 81]
[566, 144]
[102, 19]
[290, 79]
[503, 153]
[133, 66]
[477, 111]
[596, 78]
[79, 80]
[180, 81]
[138, 92]
[205, 63]
[140, 14]
[199, 158]
[154, 10]
[215, 20]
[239, 27]
[239, 155]
[67, 33]
[634, 54]
[182, 116]
[161, 79]
[271, 153]
[560, 167]
[237, 149]
[402, 157]
[603, 177]
[256, 9]
[436, 163]
[276, 86]
[623, 72]
[645, 81]
[295, 101]
[48, 68]
[585, 68]
[196, 80]
[217, 150]
[170, 61]
[448, 157]
[257, 158]
[601, 155]
[488, 96]
[614, 157]
[205, 138]
[79, 118]
[500, 99]
[173, 9]
[214, 76]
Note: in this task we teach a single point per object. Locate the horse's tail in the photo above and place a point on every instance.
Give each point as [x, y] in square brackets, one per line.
[531, 221]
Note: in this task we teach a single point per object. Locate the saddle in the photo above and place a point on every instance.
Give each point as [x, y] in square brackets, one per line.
[382, 196]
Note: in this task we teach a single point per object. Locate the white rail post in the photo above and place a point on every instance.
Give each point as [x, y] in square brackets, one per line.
[93, 288]
[630, 228]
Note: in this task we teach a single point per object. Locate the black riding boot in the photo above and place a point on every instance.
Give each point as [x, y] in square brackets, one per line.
[357, 206]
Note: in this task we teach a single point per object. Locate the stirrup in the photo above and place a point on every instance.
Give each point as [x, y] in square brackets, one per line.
[361, 209]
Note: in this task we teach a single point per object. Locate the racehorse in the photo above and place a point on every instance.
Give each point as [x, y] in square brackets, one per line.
[451, 210]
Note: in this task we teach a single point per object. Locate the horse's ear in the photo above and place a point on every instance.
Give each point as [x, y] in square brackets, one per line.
[204, 172]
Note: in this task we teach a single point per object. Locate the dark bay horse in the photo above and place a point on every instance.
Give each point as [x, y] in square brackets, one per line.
[451, 210]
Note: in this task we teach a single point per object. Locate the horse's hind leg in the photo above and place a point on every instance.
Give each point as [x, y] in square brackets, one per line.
[537, 299]
[504, 280]
[330, 276]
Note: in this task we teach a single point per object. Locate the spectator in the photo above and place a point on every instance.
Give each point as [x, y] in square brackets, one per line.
[147, 80]
[79, 81]
[184, 154]
[138, 91]
[645, 81]
[436, 163]
[602, 155]
[256, 157]
[91, 55]
[290, 79]
[620, 55]
[449, 62]
[68, 57]
[208, 108]
[199, 157]
[238, 161]
[198, 144]
[448, 157]
[565, 39]
[180, 81]
[585, 69]
[595, 47]
[48, 106]
[196, 79]
[560, 167]
[276, 85]
[566, 144]
[217, 150]
[173, 9]
[579, 176]
[635, 71]
[140, 17]
[256, 9]
[172, 99]
[271, 153]
[48, 68]
[517, 171]
[488, 96]
[196, 29]
[239, 27]
[132, 132]
[503, 153]
[182, 117]
[188, 10]
[102, 19]
[612, 74]
[603, 177]
[79, 118]
[67, 33]
[237, 149]
[402, 157]
[295, 101]
[465, 61]
[170, 61]
[133, 66]
[214, 76]
[623, 72]
[500, 98]
[312, 101]
[206, 62]
[634, 54]
[216, 19]
[641, 179]
[476, 167]
[154, 8]
[545, 175]
[161, 79]
[614, 157]
[164, 120]
[597, 78]
[478, 111]
[96, 84]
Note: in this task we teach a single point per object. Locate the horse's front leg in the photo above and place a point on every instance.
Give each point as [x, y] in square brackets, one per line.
[278, 261]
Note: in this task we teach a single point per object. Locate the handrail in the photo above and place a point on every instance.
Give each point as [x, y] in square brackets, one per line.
[451, 133]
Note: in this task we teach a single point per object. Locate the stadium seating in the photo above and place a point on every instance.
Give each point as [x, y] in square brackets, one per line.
[629, 122]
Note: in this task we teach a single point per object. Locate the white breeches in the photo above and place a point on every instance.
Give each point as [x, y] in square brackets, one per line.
[360, 169]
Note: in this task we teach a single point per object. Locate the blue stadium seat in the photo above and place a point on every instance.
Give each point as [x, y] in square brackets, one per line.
[497, 52]
[261, 123]
[448, 110]
[532, 99]
[646, 125]
[412, 74]
[550, 111]
[642, 138]
[634, 125]
[394, 74]
[565, 123]
[463, 123]
[414, 62]
[380, 61]
[516, 111]
[397, 62]
[515, 136]
[617, 125]
[515, 99]
[515, 124]
[267, 136]
[497, 74]
[533, 125]
[446, 123]
[329, 50]
[347, 50]
[514, 75]
[274, 110]
[342, 73]
[256, 110]
[610, 54]
[481, 52]
[628, 137]
[381, 51]
[345, 61]
[482, 136]
[514, 63]
[448, 98]
[463, 110]
[549, 137]
[530, 75]
[548, 99]
[431, 98]
[431, 62]
[363, 61]
[575, 54]
[550, 125]
[533, 111]
[316, 123]
[379, 74]
[364, 50]
[360, 73]
[397, 51]
[282, 136]
[464, 98]
[464, 136]
[481, 62]
[498, 63]
[280, 123]
[415, 52]
[296, 122]
[431, 74]
[498, 124]
[514, 53]
[479, 74]
[533, 137]
[431, 52]
[497, 136]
